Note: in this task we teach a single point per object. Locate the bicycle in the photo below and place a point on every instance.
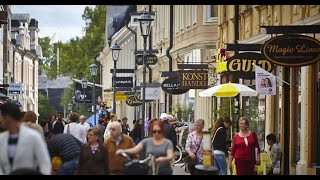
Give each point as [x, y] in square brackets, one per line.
[140, 167]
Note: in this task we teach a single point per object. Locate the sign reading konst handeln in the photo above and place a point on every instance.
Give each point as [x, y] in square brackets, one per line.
[193, 79]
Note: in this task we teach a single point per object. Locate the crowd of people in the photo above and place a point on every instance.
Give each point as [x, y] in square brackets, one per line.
[70, 147]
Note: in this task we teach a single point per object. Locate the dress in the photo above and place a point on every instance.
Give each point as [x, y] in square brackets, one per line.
[243, 149]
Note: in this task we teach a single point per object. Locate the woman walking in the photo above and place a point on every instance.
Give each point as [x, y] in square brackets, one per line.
[157, 145]
[245, 149]
[93, 156]
[194, 145]
[219, 141]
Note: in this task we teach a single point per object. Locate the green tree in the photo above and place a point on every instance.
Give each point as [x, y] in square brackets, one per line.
[44, 109]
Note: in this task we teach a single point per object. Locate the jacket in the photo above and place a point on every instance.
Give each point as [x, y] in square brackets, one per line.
[31, 152]
[93, 164]
[116, 162]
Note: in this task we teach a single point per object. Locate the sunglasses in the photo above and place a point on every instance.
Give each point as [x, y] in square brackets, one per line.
[156, 131]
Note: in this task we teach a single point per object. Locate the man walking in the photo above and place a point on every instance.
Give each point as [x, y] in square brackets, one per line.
[21, 147]
[117, 141]
[67, 147]
[125, 126]
[59, 124]
[75, 129]
[84, 123]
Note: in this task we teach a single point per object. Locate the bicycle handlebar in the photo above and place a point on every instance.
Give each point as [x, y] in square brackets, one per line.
[140, 161]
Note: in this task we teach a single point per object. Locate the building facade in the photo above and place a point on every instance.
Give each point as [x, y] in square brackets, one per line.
[302, 104]
[26, 53]
[194, 41]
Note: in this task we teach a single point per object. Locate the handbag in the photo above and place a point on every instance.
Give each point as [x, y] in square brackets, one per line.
[190, 163]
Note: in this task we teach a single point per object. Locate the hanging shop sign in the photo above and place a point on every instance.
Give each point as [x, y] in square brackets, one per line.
[134, 100]
[151, 59]
[124, 81]
[193, 79]
[241, 65]
[170, 86]
[292, 50]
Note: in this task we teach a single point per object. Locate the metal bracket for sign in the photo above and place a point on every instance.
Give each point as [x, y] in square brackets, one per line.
[193, 66]
[123, 89]
[151, 85]
[123, 70]
[244, 47]
[169, 74]
[292, 29]
[154, 51]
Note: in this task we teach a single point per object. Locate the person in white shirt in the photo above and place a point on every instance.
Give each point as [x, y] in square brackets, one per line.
[84, 123]
[107, 131]
[75, 129]
[22, 148]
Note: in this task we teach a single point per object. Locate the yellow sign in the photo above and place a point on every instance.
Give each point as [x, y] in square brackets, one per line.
[221, 62]
[108, 98]
[121, 97]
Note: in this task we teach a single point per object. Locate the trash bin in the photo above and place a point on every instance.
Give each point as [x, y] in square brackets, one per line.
[201, 170]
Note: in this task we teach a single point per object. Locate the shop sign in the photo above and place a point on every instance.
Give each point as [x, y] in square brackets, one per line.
[124, 81]
[241, 65]
[151, 59]
[170, 86]
[134, 100]
[193, 79]
[292, 50]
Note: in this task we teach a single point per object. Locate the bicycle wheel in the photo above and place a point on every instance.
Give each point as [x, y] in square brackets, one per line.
[177, 155]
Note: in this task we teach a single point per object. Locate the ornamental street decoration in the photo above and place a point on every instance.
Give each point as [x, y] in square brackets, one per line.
[134, 100]
[151, 59]
[292, 50]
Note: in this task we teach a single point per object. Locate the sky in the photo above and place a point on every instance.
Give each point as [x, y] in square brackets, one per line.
[64, 20]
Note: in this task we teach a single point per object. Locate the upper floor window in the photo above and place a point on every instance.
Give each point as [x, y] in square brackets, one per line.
[212, 12]
[1, 34]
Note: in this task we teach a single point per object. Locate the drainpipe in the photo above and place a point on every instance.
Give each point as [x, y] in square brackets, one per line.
[148, 66]
[168, 50]
[136, 115]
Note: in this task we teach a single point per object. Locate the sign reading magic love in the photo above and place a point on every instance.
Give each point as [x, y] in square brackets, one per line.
[292, 50]
[193, 79]
[242, 65]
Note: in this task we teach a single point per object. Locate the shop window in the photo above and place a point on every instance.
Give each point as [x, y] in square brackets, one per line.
[297, 113]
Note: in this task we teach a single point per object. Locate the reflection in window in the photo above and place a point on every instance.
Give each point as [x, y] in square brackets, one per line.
[297, 113]
[255, 112]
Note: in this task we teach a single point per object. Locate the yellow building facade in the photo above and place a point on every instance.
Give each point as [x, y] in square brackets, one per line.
[303, 104]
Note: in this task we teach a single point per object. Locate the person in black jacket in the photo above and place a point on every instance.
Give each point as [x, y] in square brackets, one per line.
[135, 134]
[170, 131]
[220, 144]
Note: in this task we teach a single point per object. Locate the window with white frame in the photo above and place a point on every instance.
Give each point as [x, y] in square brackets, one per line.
[188, 15]
[181, 17]
[1, 34]
[212, 13]
[194, 14]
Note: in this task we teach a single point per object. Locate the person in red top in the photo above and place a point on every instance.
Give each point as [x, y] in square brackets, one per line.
[245, 149]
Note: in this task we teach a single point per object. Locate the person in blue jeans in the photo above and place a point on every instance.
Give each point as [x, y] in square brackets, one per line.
[220, 143]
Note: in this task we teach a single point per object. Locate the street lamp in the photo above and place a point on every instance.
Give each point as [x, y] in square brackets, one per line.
[70, 107]
[93, 72]
[84, 83]
[115, 56]
[145, 21]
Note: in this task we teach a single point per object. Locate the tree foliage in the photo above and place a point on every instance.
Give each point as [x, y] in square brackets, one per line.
[44, 108]
[78, 53]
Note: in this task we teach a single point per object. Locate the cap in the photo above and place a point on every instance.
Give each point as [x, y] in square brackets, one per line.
[164, 117]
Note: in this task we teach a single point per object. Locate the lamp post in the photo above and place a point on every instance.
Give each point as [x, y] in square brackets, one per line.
[115, 56]
[93, 72]
[70, 107]
[84, 83]
[145, 21]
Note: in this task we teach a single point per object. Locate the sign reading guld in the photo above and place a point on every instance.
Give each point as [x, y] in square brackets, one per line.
[193, 79]
[241, 65]
[292, 50]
